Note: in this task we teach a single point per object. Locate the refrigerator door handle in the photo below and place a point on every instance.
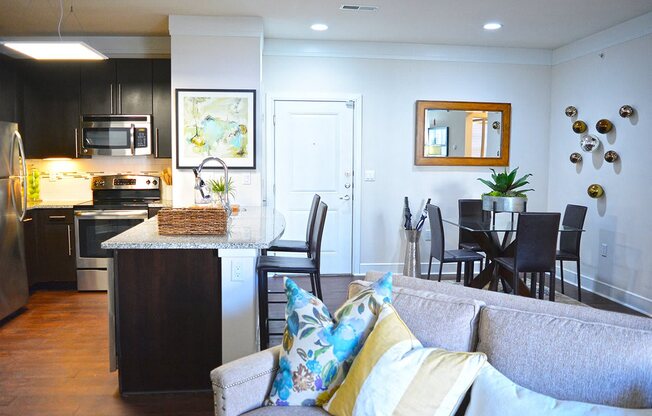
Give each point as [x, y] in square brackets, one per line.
[22, 176]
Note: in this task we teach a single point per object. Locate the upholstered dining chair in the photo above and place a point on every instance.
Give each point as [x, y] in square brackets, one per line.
[569, 243]
[469, 208]
[299, 246]
[535, 251]
[438, 251]
[280, 264]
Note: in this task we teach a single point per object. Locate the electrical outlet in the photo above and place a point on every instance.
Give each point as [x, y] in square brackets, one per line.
[236, 271]
[603, 250]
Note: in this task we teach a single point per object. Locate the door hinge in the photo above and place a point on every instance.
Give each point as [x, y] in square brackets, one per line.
[274, 119]
[350, 104]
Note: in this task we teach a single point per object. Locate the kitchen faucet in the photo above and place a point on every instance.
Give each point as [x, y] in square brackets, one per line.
[201, 186]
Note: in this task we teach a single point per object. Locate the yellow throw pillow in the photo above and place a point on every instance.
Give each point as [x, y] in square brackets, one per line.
[394, 375]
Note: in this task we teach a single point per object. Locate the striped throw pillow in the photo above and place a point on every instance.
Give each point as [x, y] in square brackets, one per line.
[394, 375]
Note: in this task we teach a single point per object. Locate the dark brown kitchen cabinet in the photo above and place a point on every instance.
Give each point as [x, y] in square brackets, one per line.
[50, 108]
[116, 86]
[8, 89]
[31, 247]
[50, 246]
[162, 80]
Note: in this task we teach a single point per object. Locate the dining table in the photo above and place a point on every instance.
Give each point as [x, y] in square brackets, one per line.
[495, 232]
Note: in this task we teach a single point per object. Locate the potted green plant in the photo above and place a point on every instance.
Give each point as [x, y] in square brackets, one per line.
[505, 195]
[218, 188]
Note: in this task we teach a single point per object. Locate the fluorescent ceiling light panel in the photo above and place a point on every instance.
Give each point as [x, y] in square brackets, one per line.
[492, 26]
[56, 50]
[319, 27]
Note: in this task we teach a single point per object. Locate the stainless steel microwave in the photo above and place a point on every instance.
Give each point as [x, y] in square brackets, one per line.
[116, 135]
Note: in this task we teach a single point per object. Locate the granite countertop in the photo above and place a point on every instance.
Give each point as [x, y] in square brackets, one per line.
[52, 204]
[252, 228]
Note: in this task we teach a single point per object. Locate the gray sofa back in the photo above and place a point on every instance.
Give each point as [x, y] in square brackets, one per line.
[565, 351]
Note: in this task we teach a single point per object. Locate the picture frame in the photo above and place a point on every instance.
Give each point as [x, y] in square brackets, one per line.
[216, 122]
[437, 142]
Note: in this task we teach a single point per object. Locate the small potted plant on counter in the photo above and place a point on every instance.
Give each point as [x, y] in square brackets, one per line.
[218, 188]
[505, 195]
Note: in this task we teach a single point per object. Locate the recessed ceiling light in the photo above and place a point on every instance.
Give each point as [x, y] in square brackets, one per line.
[56, 50]
[319, 27]
[492, 26]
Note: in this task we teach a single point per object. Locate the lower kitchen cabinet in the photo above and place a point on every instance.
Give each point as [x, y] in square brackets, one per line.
[50, 246]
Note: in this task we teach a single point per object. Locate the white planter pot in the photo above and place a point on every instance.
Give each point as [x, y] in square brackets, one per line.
[504, 203]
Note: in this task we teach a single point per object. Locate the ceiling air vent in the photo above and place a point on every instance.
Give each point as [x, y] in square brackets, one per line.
[358, 8]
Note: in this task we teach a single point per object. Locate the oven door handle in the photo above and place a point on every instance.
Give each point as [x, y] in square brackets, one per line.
[114, 214]
[133, 140]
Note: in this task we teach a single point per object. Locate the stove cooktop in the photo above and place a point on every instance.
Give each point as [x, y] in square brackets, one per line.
[113, 204]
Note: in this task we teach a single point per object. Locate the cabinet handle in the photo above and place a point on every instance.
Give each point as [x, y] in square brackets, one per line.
[119, 99]
[111, 92]
[76, 144]
[156, 144]
[57, 217]
[28, 219]
[69, 243]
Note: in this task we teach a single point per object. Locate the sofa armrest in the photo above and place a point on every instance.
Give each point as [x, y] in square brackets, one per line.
[242, 385]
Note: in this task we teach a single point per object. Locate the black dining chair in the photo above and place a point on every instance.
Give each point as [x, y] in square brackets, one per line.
[535, 251]
[281, 264]
[569, 242]
[438, 251]
[299, 246]
[469, 208]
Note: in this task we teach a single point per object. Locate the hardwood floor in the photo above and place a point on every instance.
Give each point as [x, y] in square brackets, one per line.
[54, 356]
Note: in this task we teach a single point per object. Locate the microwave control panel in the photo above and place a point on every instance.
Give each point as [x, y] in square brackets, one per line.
[140, 137]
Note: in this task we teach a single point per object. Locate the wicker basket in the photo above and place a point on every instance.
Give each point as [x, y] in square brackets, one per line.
[194, 220]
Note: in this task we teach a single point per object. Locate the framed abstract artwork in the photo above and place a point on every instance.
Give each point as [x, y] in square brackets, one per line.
[219, 123]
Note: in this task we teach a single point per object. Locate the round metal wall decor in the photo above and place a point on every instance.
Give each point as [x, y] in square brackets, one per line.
[575, 158]
[595, 191]
[579, 127]
[495, 125]
[570, 111]
[611, 156]
[603, 126]
[626, 111]
[589, 143]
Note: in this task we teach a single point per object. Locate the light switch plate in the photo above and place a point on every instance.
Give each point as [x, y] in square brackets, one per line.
[246, 178]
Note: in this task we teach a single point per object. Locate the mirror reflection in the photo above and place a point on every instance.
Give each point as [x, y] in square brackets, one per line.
[462, 133]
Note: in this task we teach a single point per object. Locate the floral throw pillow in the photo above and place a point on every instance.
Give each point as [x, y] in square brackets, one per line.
[317, 349]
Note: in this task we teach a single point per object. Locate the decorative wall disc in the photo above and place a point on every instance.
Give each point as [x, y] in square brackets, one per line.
[603, 126]
[575, 158]
[595, 191]
[626, 111]
[611, 156]
[570, 111]
[589, 143]
[579, 127]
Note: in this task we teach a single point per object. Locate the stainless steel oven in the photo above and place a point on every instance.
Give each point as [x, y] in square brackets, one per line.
[92, 227]
[116, 135]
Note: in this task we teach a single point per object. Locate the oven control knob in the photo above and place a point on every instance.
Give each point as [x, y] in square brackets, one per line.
[147, 181]
[99, 182]
[155, 182]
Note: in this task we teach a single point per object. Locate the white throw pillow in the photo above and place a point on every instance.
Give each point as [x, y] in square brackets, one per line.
[493, 394]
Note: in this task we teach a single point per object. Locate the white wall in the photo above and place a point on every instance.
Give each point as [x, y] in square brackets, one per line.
[598, 86]
[217, 53]
[389, 89]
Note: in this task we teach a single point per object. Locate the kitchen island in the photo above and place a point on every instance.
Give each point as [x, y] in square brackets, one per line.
[186, 304]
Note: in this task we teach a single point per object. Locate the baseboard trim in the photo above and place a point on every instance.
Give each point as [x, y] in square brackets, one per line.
[624, 297]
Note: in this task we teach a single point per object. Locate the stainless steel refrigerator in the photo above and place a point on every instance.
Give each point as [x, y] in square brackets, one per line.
[13, 203]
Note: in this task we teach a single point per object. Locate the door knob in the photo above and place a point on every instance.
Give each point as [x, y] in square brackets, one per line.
[345, 197]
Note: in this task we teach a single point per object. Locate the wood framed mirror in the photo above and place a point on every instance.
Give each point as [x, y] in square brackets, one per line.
[456, 133]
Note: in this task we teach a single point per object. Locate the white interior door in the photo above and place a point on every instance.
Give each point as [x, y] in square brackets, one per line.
[313, 154]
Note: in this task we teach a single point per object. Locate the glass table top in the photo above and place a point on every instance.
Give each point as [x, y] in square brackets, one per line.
[502, 222]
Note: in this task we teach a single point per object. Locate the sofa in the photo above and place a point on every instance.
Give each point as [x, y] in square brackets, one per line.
[569, 352]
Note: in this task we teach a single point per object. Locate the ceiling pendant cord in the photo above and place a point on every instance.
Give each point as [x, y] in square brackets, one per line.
[60, 18]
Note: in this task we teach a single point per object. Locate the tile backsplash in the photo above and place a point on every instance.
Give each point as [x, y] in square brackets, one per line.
[69, 180]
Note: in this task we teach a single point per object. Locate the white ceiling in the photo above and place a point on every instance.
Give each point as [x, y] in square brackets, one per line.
[546, 24]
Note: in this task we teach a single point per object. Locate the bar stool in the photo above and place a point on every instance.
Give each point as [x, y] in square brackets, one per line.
[297, 246]
[279, 264]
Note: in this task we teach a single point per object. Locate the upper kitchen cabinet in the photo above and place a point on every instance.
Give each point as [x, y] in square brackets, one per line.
[162, 81]
[116, 86]
[50, 108]
[8, 89]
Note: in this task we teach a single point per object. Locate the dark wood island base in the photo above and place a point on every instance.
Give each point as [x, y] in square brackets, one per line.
[168, 319]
